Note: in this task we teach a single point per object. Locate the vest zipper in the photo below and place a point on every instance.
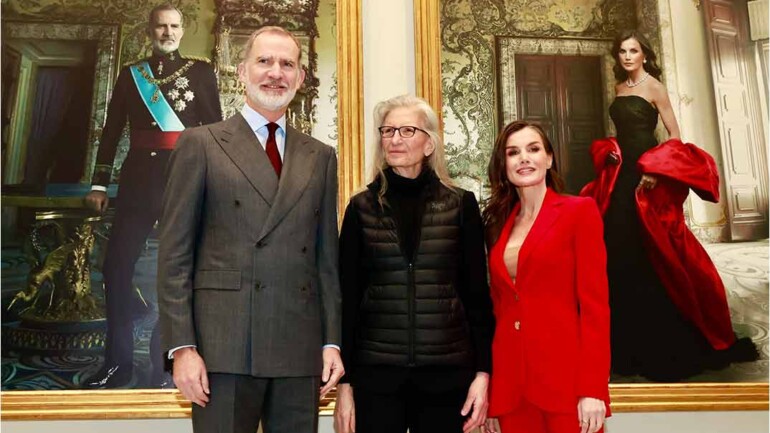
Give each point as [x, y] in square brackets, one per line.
[411, 301]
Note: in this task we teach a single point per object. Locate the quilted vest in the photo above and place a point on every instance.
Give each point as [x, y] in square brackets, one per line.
[410, 313]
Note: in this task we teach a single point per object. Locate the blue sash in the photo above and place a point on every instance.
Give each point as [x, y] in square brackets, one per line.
[160, 110]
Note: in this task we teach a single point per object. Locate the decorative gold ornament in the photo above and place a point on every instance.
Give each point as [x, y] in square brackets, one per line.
[161, 81]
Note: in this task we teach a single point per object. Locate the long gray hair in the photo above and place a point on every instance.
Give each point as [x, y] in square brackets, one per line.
[429, 119]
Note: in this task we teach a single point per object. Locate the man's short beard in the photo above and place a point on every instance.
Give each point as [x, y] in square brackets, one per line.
[265, 100]
[159, 47]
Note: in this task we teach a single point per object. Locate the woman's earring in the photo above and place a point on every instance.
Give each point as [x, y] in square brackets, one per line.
[645, 60]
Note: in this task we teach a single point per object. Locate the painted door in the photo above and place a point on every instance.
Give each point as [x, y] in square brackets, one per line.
[564, 95]
[744, 149]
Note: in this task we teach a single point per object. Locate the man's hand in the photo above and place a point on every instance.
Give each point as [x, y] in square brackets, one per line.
[190, 376]
[97, 201]
[345, 410]
[476, 400]
[333, 369]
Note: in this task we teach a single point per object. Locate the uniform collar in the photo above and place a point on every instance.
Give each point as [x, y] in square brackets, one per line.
[171, 61]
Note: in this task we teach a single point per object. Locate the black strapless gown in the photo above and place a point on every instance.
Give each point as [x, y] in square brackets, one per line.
[649, 335]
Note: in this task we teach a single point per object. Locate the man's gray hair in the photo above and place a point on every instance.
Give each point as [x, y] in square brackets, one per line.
[160, 8]
[274, 30]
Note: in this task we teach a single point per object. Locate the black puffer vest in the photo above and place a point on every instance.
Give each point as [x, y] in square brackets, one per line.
[410, 313]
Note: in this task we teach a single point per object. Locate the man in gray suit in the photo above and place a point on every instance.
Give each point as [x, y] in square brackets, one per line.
[247, 268]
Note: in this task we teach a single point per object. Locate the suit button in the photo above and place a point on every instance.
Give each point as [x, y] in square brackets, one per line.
[517, 325]
[257, 285]
[261, 244]
[515, 296]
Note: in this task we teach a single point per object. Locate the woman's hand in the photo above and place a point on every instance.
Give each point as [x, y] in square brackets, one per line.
[490, 426]
[477, 400]
[591, 413]
[345, 410]
[648, 181]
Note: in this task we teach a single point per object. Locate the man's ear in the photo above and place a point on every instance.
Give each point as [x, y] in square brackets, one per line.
[241, 69]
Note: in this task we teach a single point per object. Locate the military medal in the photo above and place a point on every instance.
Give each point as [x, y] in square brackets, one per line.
[180, 99]
[180, 83]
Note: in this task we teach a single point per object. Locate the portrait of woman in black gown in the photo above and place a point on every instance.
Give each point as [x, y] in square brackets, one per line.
[650, 335]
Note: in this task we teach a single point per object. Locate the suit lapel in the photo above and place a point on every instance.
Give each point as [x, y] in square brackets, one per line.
[240, 143]
[498, 251]
[548, 215]
[298, 163]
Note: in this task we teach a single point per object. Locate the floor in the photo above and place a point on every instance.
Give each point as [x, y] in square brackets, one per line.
[744, 270]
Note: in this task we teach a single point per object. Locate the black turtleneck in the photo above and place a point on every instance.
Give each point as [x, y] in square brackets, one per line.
[407, 200]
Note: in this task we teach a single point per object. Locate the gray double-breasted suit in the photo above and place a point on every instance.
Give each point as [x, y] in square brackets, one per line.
[247, 266]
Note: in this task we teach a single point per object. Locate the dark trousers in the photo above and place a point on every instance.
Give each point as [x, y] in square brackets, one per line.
[409, 407]
[238, 403]
[140, 194]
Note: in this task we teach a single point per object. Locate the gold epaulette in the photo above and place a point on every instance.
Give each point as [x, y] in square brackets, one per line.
[198, 58]
[135, 61]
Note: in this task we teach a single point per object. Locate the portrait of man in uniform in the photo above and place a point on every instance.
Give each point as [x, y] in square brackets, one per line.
[158, 97]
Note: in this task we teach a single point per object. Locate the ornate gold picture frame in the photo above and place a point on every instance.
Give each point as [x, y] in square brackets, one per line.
[631, 397]
[146, 403]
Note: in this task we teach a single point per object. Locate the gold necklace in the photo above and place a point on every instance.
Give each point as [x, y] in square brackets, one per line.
[159, 82]
[630, 83]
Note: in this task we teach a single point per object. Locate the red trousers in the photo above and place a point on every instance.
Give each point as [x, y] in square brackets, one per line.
[528, 418]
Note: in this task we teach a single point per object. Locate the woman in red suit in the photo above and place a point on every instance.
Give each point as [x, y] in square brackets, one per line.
[547, 265]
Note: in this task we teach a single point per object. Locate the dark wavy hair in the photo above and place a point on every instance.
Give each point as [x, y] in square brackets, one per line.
[503, 195]
[651, 66]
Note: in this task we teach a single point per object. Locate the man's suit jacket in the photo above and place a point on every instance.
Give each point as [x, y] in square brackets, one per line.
[248, 263]
[552, 339]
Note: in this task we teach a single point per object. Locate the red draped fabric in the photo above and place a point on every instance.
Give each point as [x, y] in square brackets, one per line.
[681, 262]
[606, 171]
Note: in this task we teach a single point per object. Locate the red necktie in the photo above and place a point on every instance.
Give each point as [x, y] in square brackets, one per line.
[272, 148]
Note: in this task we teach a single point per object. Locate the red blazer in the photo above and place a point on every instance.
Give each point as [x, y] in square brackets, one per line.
[552, 339]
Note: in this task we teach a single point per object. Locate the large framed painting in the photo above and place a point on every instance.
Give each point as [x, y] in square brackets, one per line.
[60, 61]
[482, 64]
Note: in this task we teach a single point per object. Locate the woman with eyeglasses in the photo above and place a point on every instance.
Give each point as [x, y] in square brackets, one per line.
[417, 319]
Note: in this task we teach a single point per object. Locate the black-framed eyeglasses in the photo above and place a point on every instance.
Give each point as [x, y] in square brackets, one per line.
[404, 131]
